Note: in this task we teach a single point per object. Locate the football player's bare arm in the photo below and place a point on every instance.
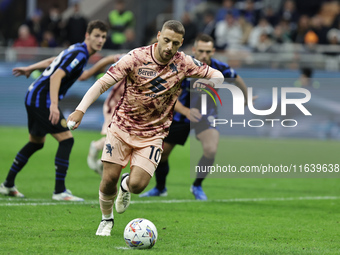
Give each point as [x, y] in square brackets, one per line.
[27, 70]
[241, 84]
[192, 114]
[99, 66]
[98, 88]
[215, 78]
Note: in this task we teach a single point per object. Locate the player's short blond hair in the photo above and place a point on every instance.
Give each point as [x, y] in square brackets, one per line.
[175, 26]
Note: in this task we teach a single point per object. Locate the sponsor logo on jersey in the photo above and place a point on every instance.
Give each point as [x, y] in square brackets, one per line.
[74, 63]
[31, 87]
[146, 72]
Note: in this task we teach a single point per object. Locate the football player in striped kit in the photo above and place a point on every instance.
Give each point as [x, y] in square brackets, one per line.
[43, 112]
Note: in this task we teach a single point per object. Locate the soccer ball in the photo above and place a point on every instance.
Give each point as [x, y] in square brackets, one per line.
[140, 233]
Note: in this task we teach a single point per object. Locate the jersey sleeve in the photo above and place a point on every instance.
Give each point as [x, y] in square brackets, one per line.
[225, 69]
[195, 68]
[229, 72]
[73, 60]
[122, 67]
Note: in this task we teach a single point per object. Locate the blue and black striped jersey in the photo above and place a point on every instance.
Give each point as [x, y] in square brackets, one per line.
[72, 61]
[194, 99]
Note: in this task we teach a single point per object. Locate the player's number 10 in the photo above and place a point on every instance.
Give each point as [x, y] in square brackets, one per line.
[155, 154]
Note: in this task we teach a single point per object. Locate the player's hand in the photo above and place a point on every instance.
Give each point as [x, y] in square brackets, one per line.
[17, 71]
[74, 119]
[201, 84]
[195, 115]
[54, 114]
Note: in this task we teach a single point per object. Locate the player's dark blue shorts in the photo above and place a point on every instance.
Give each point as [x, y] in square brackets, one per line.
[39, 124]
[179, 131]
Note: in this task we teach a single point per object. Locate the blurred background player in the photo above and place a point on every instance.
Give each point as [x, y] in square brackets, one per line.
[75, 26]
[44, 114]
[108, 107]
[187, 118]
[306, 79]
[122, 25]
[152, 76]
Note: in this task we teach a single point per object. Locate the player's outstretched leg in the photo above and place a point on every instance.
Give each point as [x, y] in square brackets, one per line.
[66, 196]
[8, 188]
[61, 165]
[155, 192]
[198, 192]
[105, 227]
[12, 192]
[196, 188]
[107, 194]
[160, 190]
[124, 196]
[92, 157]
[99, 167]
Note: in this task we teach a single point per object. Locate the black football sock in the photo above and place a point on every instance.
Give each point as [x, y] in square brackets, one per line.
[203, 163]
[161, 172]
[20, 161]
[61, 164]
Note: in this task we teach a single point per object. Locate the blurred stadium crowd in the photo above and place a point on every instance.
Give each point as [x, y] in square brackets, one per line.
[247, 25]
[267, 38]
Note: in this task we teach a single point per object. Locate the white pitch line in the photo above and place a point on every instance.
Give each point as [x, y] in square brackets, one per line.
[43, 202]
[123, 248]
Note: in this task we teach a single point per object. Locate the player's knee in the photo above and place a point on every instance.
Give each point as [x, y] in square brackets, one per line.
[166, 151]
[67, 144]
[164, 158]
[136, 187]
[108, 185]
[209, 151]
[110, 177]
[111, 171]
[36, 146]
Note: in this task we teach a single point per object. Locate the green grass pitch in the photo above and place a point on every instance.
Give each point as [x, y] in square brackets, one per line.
[242, 216]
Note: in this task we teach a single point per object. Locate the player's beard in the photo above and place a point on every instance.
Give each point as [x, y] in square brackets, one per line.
[207, 61]
[164, 56]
